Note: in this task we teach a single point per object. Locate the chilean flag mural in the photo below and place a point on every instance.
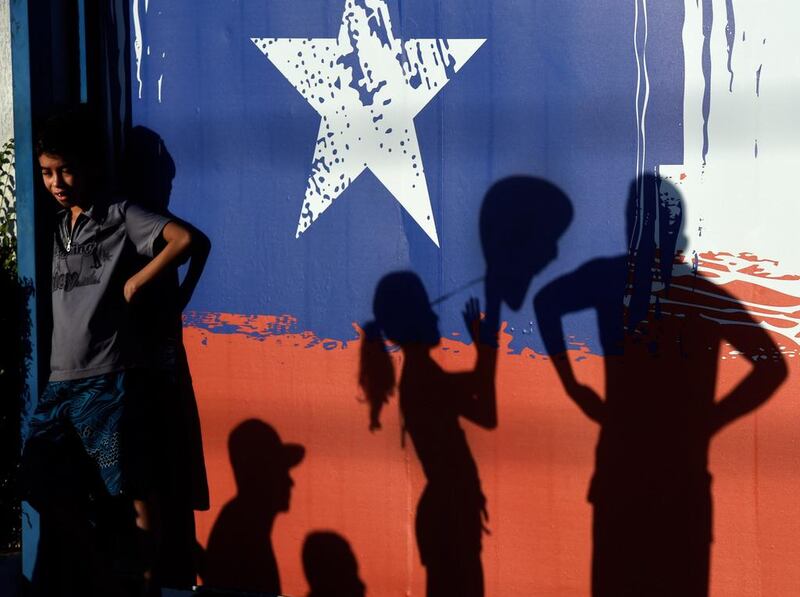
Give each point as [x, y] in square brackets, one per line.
[612, 180]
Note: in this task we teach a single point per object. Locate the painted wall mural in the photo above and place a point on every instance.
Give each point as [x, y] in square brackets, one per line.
[371, 108]
[614, 181]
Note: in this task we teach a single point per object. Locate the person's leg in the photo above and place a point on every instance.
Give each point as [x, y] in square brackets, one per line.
[57, 480]
[148, 538]
[175, 417]
[140, 465]
[98, 415]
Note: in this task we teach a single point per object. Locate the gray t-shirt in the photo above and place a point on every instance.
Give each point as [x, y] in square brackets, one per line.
[91, 263]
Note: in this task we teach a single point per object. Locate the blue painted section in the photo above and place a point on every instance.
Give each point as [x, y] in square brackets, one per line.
[551, 94]
[30, 539]
[26, 237]
[82, 48]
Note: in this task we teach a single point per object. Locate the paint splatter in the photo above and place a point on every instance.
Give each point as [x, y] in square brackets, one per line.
[137, 44]
[640, 35]
[739, 201]
[758, 80]
[708, 21]
[730, 36]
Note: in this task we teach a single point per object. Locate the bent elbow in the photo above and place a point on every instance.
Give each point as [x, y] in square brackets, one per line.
[185, 239]
[182, 241]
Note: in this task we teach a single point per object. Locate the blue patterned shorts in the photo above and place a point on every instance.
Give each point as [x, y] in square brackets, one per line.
[92, 409]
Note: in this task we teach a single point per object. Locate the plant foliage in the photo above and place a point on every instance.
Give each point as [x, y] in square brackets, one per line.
[8, 213]
[14, 352]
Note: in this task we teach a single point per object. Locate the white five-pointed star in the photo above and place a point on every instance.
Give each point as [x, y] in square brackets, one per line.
[368, 86]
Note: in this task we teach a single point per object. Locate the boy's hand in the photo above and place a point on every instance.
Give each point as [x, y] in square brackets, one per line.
[131, 287]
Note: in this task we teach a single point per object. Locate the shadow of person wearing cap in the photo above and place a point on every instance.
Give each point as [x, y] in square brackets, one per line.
[239, 554]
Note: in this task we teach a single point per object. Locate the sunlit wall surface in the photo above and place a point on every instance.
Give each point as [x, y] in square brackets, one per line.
[322, 145]
[6, 102]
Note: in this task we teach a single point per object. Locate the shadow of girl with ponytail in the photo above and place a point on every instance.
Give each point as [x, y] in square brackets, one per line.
[452, 509]
[521, 220]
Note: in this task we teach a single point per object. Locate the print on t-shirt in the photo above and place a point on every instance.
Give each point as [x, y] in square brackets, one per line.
[82, 265]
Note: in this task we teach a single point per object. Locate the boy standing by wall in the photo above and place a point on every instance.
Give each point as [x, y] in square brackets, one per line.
[97, 252]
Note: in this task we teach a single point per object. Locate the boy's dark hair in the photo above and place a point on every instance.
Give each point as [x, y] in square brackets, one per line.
[69, 134]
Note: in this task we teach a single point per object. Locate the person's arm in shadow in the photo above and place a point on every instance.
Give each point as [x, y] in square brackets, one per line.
[474, 391]
[564, 295]
[764, 378]
[198, 256]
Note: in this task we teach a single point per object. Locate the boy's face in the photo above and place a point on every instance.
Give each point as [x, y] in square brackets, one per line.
[62, 179]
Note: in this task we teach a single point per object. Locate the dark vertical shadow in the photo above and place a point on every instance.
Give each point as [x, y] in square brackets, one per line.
[239, 553]
[74, 548]
[651, 491]
[521, 220]
[330, 566]
[167, 405]
[15, 354]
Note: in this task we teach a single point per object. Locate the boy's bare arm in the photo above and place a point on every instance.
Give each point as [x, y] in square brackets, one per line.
[178, 240]
[198, 255]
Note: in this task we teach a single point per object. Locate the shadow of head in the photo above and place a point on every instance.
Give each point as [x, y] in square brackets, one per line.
[521, 221]
[330, 566]
[261, 464]
[654, 215]
[654, 218]
[148, 169]
[402, 310]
